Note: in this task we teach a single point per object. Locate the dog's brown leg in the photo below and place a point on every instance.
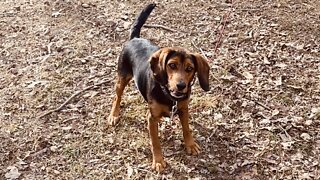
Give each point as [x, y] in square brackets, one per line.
[158, 163]
[191, 146]
[115, 110]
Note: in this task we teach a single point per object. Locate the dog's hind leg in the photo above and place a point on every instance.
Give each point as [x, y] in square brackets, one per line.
[124, 77]
[119, 88]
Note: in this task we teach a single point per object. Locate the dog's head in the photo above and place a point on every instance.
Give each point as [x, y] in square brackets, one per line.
[175, 68]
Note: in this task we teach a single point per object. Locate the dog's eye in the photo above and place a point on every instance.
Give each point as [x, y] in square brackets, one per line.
[189, 69]
[172, 66]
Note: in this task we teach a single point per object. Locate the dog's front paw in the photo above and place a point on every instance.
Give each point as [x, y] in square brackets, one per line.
[193, 148]
[113, 120]
[158, 164]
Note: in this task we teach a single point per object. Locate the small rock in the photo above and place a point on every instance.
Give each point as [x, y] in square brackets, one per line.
[217, 18]
[14, 71]
[56, 14]
[85, 5]
[56, 172]
[124, 17]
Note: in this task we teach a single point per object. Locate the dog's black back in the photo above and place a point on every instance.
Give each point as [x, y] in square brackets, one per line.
[134, 62]
[135, 54]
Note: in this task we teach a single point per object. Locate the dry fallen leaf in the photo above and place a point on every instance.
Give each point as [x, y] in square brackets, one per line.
[287, 145]
[315, 113]
[265, 121]
[67, 128]
[53, 49]
[218, 116]
[126, 25]
[228, 78]
[53, 148]
[308, 122]
[129, 171]
[247, 75]
[305, 136]
[13, 173]
[275, 112]
[253, 55]
[278, 81]
[281, 65]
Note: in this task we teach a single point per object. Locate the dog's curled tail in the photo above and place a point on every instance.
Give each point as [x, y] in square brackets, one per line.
[140, 20]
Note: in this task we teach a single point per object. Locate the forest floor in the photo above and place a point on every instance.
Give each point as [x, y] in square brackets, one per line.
[260, 120]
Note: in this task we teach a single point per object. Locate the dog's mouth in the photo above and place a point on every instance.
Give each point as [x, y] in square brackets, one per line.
[177, 94]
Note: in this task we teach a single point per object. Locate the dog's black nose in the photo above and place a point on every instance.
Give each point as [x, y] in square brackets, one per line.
[181, 85]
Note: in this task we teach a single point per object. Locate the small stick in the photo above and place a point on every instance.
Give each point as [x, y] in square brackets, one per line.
[217, 79]
[99, 55]
[221, 33]
[199, 49]
[49, 47]
[71, 97]
[159, 26]
[144, 170]
[260, 104]
[272, 49]
[285, 131]
[42, 151]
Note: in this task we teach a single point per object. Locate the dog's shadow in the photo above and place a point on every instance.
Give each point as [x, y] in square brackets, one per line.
[212, 162]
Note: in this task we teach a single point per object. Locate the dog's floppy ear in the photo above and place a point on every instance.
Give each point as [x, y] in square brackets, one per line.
[158, 62]
[202, 68]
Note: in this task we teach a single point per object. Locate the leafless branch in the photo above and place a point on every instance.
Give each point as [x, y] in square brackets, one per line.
[71, 97]
[160, 26]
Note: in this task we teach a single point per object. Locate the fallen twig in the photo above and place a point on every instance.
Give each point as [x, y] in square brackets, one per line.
[202, 52]
[159, 26]
[285, 131]
[224, 22]
[260, 104]
[99, 55]
[49, 47]
[39, 153]
[199, 49]
[144, 170]
[71, 97]
[271, 50]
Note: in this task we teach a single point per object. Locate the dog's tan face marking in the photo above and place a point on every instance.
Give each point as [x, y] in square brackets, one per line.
[175, 68]
[180, 71]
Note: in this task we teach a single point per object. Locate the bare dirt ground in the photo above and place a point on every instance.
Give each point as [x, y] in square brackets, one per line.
[259, 121]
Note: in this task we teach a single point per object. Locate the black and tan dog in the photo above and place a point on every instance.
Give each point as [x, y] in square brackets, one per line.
[164, 77]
